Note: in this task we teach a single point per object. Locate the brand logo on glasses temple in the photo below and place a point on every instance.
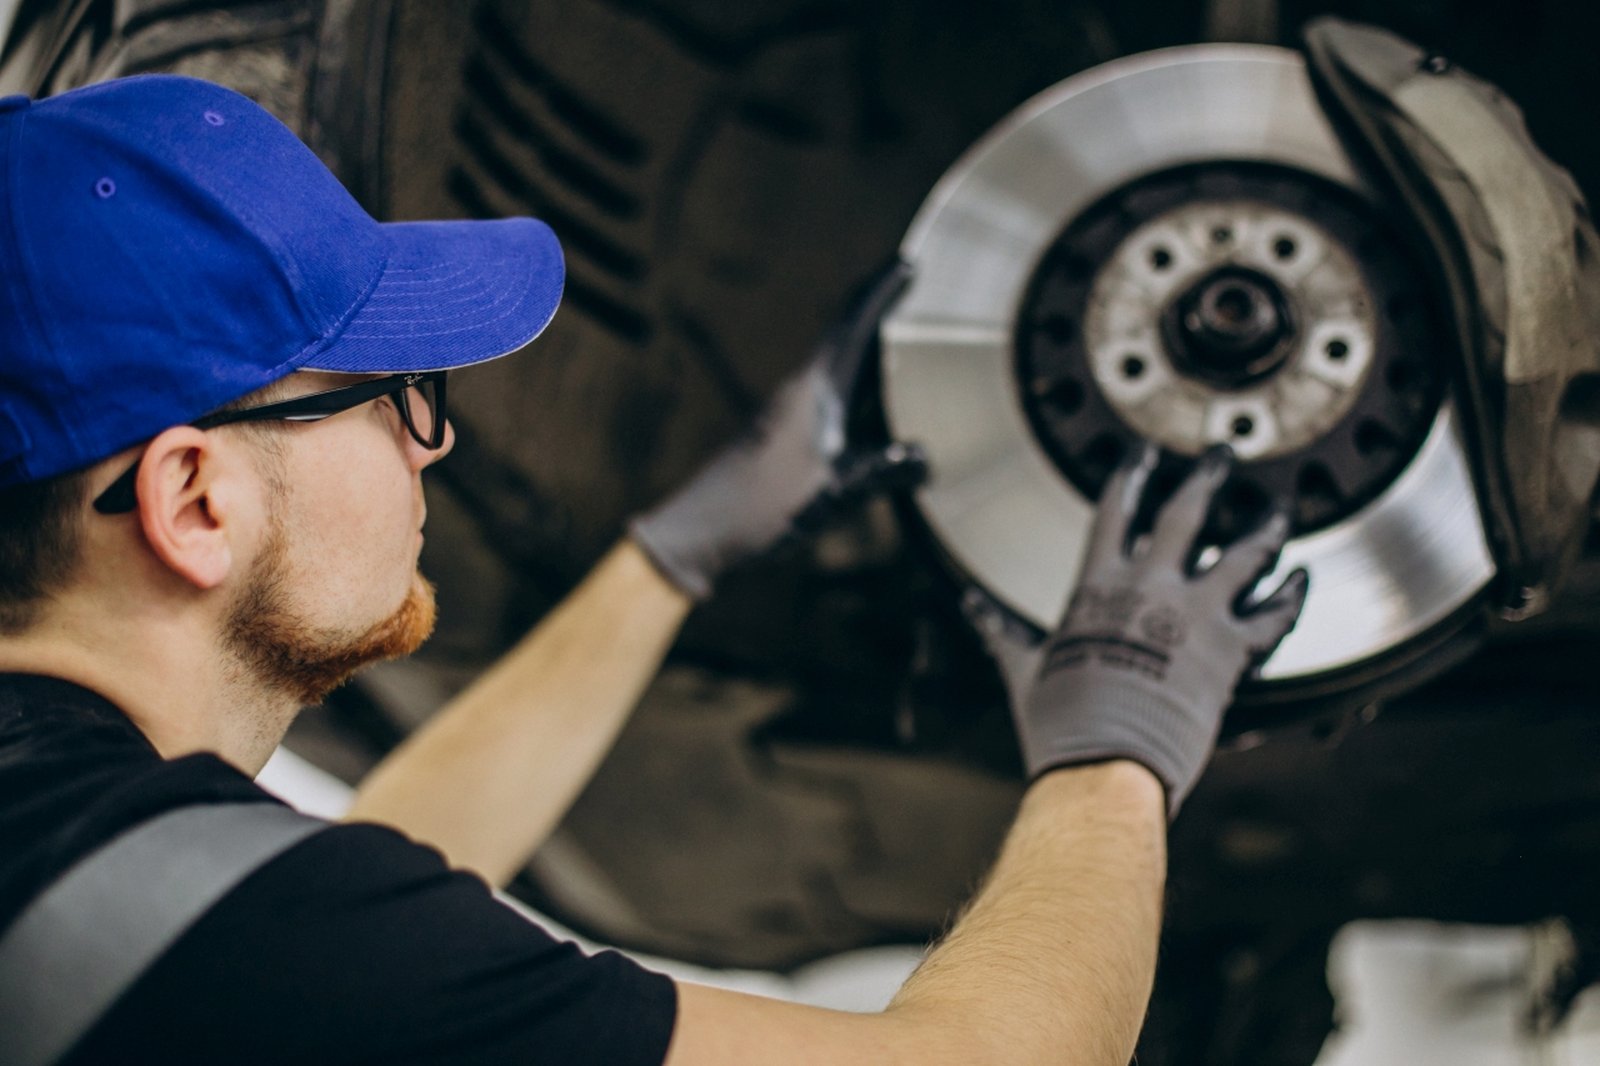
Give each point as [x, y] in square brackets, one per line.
[412, 379]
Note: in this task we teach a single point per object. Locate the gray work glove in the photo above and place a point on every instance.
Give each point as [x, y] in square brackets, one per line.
[1147, 657]
[792, 471]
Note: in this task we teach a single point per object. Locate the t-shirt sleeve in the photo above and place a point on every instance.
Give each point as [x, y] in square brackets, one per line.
[359, 946]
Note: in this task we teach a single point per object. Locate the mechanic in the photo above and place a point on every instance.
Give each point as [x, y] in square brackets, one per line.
[219, 386]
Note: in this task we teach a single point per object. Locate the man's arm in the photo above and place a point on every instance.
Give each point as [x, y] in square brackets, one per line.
[1117, 713]
[1051, 964]
[489, 776]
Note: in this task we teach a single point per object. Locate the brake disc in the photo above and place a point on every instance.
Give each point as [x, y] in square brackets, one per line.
[1175, 247]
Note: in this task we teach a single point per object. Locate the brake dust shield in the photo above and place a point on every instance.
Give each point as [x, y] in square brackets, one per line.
[1175, 246]
[1520, 264]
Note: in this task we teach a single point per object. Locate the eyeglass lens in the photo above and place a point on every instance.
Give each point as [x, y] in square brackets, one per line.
[419, 404]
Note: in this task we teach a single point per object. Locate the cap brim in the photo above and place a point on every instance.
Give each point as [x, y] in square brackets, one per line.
[452, 294]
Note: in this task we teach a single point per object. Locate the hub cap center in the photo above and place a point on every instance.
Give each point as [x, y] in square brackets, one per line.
[1230, 327]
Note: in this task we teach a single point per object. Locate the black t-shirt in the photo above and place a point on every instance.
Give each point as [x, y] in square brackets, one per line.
[353, 946]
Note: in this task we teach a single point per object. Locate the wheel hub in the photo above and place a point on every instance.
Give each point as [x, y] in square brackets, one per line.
[1223, 303]
[1230, 329]
[1174, 247]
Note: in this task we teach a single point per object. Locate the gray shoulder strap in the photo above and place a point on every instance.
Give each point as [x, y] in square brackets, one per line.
[88, 938]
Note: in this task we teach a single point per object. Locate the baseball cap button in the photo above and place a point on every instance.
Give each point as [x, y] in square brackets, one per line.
[15, 102]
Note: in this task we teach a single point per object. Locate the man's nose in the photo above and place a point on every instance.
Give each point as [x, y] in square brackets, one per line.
[425, 457]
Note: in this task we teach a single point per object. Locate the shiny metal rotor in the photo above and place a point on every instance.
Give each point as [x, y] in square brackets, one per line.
[1399, 565]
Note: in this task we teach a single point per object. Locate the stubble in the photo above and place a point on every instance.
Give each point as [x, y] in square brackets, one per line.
[285, 654]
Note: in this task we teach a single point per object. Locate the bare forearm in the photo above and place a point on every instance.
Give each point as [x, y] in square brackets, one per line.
[1051, 965]
[492, 773]
[1053, 962]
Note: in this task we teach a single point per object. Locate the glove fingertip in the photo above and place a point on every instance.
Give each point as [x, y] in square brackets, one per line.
[1119, 500]
[1299, 584]
[846, 349]
[1291, 589]
[1130, 475]
[1281, 611]
[908, 461]
[1218, 457]
[897, 465]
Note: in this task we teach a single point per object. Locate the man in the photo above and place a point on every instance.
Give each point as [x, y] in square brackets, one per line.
[219, 386]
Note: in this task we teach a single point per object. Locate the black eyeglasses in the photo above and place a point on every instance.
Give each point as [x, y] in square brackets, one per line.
[418, 397]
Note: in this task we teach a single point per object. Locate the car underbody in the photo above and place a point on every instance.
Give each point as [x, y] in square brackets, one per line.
[827, 763]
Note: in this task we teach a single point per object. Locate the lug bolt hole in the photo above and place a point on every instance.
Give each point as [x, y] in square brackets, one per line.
[1337, 350]
[1284, 247]
[1221, 235]
[1243, 426]
[1133, 367]
[1160, 258]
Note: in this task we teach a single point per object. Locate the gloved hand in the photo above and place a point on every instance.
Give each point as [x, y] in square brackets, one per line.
[1147, 657]
[788, 474]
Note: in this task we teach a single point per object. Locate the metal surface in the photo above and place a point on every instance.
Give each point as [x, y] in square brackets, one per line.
[1380, 577]
[1225, 302]
[1289, 409]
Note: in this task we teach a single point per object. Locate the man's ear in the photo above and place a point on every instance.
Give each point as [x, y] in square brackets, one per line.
[186, 489]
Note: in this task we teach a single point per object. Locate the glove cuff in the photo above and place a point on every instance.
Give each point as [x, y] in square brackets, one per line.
[1118, 718]
[684, 574]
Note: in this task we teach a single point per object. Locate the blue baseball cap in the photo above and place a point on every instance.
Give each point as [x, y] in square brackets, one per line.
[167, 246]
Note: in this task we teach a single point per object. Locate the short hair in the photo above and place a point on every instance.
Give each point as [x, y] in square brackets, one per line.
[41, 535]
[41, 529]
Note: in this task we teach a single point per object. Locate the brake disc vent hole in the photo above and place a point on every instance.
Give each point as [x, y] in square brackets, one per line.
[1103, 455]
[1060, 329]
[1401, 376]
[1374, 438]
[1318, 496]
[1064, 395]
[1224, 303]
